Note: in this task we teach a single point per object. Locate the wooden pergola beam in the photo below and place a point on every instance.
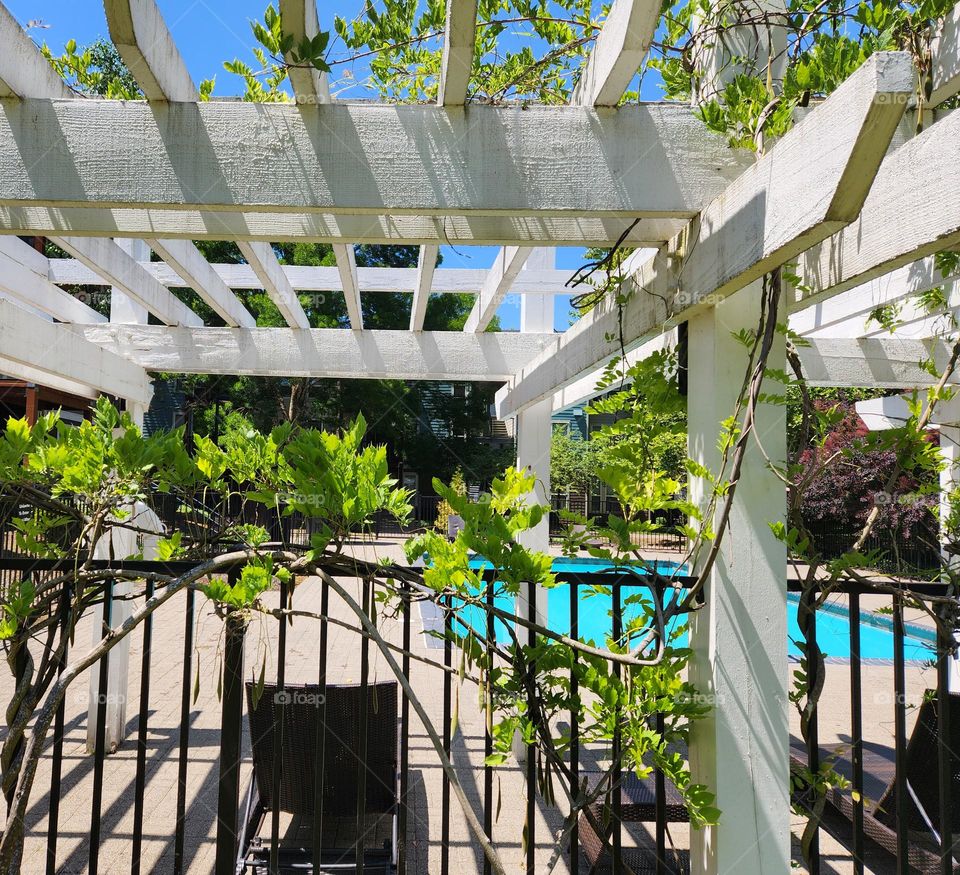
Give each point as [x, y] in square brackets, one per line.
[883, 363]
[310, 278]
[619, 51]
[321, 352]
[117, 268]
[144, 42]
[197, 273]
[810, 184]
[30, 344]
[945, 54]
[647, 160]
[299, 18]
[456, 63]
[263, 260]
[347, 268]
[20, 74]
[508, 264]
[917, 180]
[21, 282]
[426, 271]
[188, 224]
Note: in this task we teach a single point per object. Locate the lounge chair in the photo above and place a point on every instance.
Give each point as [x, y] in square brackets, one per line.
[879, 822]
[298, 706]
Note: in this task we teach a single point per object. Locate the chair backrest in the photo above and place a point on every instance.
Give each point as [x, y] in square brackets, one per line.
[923, 774]
[310, 721]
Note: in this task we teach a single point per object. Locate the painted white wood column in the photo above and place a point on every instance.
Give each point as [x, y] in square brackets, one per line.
[123, 309]
[739, 637]
[948, 413]
[533, 429]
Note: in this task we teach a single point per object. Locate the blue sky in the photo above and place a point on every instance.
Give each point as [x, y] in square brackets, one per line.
[209, 32]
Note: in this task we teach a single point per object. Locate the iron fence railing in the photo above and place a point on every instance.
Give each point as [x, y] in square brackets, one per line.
[654, 801]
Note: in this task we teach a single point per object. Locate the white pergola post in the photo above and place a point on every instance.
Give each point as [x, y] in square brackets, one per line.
[739, 637]
[533, 425]
[949, 414]
[123, 309]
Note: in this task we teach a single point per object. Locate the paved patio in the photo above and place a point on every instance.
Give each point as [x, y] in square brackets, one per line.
[301, 666]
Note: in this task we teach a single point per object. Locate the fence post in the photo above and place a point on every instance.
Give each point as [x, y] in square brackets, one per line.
[231, 733]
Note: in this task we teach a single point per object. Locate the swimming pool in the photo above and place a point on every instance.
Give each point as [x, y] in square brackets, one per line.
[833, 630]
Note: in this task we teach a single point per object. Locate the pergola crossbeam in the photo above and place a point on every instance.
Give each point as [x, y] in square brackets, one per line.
[24, 72]
[116, 268]
[945, 55]
[347, 268]
[144, 42]
[619, 51]
[760, 222]
[918, 180]
[299, 17]
[321, 352]
[508, 264]
[456, 63]
[648, 160]
[426, 271]
[21, 282]
[197, 273]
[263, 260]
[310, 278]
[49, 348]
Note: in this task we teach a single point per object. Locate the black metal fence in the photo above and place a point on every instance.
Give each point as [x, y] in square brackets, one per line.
[667, 536]
[895, 553]
[923, 772]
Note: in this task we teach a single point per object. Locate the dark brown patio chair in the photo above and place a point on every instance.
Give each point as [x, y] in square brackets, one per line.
[923, 788]
[342, 838]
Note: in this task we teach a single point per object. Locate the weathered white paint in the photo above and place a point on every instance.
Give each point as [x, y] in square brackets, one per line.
[31, 288]
[321, 352]
[124, 308]
[310, 278]
[424, 286]
[917, 180]
[649, 160]
[270, 227]
[25, 254]
[21, 74]
[196, 272]
[144, 42]
[618, 53]
[508, 264]
[739, 637]
[890, 362]
[536, 311]
[584, 390]
[945, 54]
[119, 543]
[832, 316]
[263, 260]
[21, 371]
[117, 268]
[49, 348]
[808, 185]
[299, 17]
[347, 268]
[456, 63]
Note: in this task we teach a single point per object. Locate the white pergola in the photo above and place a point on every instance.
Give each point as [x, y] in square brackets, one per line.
[109, 181]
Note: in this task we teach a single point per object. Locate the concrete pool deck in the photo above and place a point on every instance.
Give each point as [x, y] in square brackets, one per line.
[301, 666]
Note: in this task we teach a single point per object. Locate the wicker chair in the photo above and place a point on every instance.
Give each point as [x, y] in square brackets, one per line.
[879, 823]
[300, 712]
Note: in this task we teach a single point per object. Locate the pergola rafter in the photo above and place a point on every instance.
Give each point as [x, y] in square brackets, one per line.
[760, 222]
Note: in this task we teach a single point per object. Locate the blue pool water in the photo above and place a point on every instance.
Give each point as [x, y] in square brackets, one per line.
[833, 629]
